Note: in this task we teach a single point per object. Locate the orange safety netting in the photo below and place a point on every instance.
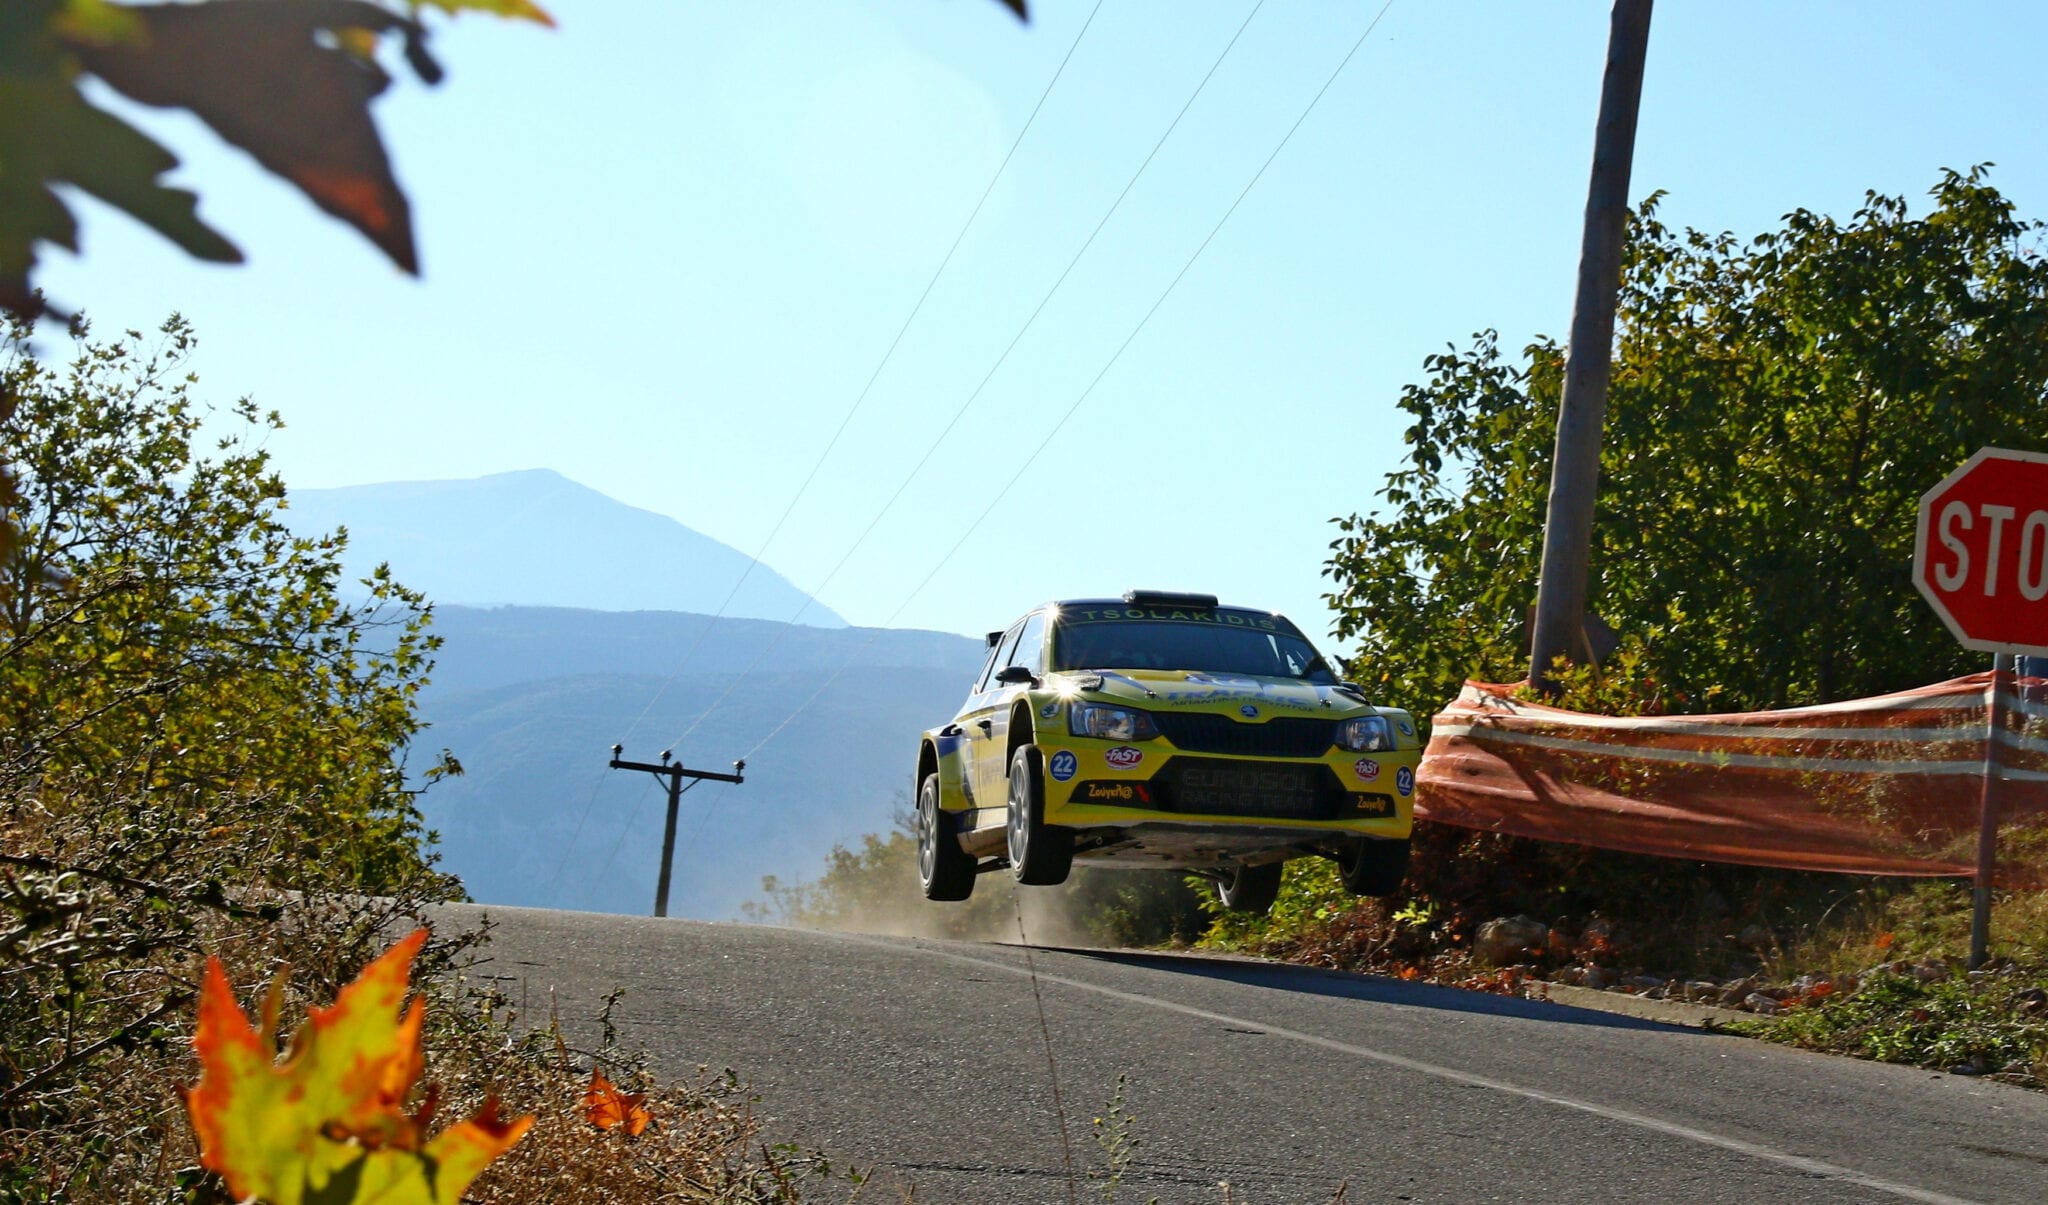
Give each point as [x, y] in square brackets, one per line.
[1886, 785]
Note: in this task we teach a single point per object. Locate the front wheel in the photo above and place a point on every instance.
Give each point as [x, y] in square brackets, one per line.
[944, 870]
[1041, 854]
[1250, 888]
[1369, 866]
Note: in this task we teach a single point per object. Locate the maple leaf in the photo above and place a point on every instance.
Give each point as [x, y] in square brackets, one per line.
[327, 1125]
[607, 1108]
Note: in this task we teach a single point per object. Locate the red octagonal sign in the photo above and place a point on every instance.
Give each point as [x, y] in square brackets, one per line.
[1981, 556]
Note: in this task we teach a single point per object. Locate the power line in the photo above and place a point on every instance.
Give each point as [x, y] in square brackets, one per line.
[887, 355]
[583, 815]
[1000, 360]
[1085, 393]
[1082, 398]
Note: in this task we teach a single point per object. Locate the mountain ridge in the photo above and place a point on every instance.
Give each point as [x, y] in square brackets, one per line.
[533, 537]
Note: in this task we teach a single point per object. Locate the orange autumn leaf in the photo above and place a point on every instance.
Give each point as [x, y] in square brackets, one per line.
[1884, 940]
[328, 1123]
[607, 1108]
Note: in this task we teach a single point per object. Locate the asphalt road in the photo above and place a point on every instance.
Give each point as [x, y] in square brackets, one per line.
[925, 1062]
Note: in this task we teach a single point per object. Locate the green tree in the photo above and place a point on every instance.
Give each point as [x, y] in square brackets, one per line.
[1777, 408]
[164, 638]
[202, 748]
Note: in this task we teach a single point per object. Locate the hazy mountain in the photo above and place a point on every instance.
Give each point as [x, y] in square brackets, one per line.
[536, 538]
[531, 700]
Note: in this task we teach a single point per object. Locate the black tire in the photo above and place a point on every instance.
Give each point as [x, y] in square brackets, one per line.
[1041, 854]
[944, 870]
[1250, 888]
[1373, 867]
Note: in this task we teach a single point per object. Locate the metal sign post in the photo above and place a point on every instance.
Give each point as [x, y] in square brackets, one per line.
[2002, 667]
[675, 774]
[1980, 558]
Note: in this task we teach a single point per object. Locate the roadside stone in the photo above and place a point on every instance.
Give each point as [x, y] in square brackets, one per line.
[1734, 990]
[1599, 978]
[1507, 940]
[1702, 989]
[1760, 1003]
[1600, 936]
[1642, 983]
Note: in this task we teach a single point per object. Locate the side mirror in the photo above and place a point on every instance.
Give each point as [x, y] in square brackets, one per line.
[1012, 675]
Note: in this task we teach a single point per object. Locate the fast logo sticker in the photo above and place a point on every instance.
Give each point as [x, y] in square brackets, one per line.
[1123, 757]
[1404, 780]
[1366, 768]
[1062, 766]
[1050, 710]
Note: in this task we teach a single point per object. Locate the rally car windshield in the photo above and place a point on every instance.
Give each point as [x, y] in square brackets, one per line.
[1206, 645]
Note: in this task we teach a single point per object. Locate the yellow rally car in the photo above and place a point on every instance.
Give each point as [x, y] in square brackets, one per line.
[1162, 730]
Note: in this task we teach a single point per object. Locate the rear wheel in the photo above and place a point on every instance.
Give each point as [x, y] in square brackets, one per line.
[1041, 854]
[1250, 888]
[1373, 867]
[945, 871]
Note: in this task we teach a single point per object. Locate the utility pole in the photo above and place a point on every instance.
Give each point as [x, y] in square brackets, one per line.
[1575, 467]
[675, 774]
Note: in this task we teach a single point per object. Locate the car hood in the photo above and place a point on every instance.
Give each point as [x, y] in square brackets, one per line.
[1231, 693]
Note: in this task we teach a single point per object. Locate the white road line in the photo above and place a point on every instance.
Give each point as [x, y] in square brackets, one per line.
[1798, 1163]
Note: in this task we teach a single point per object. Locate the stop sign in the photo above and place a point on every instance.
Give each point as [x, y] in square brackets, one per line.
[1981, 555]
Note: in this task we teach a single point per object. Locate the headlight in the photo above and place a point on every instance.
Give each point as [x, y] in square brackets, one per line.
[1110, 723]
[1366, 734]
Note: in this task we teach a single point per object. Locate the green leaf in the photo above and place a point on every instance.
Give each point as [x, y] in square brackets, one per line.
[50, 135]
[257, 71]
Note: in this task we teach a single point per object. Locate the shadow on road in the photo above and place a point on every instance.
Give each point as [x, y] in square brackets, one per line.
[1348, 985]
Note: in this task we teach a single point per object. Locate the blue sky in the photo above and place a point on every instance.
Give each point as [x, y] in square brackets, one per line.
[666, 245]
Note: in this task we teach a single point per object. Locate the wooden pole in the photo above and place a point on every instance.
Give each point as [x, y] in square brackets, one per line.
[2002, 668]
[675, 773]
[668, 841]
[1575, 467]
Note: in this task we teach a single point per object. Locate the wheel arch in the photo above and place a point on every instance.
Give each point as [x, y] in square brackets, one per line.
[927, 764]
[1022, 730]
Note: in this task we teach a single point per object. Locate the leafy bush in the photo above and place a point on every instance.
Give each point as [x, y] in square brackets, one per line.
[1777, 407]
[1931, 1016]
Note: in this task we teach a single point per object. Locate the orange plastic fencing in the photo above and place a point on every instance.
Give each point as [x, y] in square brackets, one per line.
[1886, 785]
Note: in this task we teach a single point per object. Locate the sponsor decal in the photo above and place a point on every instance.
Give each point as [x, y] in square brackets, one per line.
[1050, 710]
[1248, 711]
[1062, 766]
[1123, 757]
[1126, 793]
[1404, 780]
[1407, 729]
[1366, 768]
[1376, 807]
[1219, 618]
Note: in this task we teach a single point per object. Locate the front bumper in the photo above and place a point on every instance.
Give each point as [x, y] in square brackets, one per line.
[1092, 784]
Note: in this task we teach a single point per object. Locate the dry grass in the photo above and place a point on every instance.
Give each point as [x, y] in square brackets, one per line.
[106, 917]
